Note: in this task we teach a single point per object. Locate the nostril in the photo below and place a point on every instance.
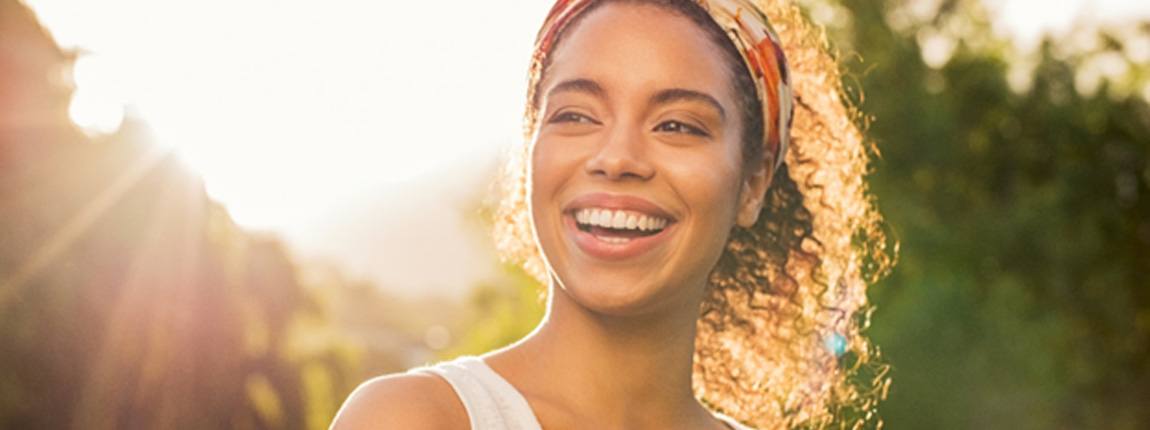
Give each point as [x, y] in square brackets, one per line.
[622, 156]
[620, 169]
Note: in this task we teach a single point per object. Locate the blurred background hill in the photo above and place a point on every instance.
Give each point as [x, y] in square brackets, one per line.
[1014, 173]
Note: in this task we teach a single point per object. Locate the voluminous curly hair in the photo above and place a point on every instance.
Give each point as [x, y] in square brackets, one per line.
[780, 339]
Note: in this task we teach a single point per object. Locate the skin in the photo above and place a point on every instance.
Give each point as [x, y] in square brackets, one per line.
[615, 348]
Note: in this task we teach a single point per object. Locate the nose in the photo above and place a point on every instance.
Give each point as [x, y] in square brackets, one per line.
[621, 156]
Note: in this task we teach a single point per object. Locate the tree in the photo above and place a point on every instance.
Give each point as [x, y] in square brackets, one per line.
[1022, 295]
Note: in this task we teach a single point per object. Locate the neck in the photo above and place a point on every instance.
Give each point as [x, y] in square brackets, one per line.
[618, 371]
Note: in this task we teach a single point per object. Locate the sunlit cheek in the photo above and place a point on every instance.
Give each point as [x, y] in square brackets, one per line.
[555, 165]
[541, 190]
[551, 165]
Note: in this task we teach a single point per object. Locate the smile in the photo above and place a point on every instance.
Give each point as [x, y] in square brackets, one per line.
[616, 227]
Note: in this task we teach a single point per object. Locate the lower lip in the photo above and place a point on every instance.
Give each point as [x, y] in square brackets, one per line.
[594, 246]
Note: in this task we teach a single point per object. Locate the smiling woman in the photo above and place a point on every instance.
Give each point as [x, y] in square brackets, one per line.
[703, 260]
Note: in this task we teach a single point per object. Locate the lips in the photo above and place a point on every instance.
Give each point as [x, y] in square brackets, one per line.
[616, 227]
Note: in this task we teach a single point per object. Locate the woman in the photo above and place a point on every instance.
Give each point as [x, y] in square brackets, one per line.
[701, 256]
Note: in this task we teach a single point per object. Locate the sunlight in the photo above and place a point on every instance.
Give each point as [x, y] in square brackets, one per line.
[287, 109]
[62, 238]
[1026, 21]
[95, 105]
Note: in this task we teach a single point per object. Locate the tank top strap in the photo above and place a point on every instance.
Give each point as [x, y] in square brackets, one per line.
[491, 402]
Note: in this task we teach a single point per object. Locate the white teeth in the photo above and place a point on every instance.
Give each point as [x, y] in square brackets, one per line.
[619, 219]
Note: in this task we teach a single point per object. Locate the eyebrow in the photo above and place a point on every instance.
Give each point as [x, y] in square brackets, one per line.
[680, 94]
[666, 96]
[578, 86]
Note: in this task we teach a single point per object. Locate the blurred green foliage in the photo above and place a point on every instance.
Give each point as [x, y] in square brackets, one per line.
[1022, 205]
[501, 312]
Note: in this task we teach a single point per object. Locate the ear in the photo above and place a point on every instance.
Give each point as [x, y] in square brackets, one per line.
[753, 192]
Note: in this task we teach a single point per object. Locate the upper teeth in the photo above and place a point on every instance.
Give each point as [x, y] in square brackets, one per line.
[619, 219]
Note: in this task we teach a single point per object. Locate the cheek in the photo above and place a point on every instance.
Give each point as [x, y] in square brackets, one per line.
[550, 169]
[711, 189]
[711, 193]
[717, 201]
[553, 162]
[543, 169]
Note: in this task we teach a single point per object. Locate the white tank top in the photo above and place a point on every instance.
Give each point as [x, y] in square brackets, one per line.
[492, 403]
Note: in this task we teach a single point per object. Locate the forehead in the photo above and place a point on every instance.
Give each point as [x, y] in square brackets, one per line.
[639, 47]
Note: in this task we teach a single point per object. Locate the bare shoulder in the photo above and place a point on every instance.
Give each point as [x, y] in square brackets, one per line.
[416, 401]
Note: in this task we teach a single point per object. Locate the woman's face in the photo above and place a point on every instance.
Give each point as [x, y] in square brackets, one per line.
[637, 171]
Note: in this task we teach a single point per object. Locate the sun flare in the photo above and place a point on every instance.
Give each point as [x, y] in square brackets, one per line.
[287, 118]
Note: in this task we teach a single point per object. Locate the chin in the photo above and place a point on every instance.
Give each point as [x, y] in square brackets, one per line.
[612, 294]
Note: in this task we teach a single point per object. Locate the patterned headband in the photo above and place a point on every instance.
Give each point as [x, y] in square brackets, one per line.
[750, 31]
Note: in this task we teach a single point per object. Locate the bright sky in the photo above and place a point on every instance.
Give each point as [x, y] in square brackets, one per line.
[289, 106]
[295, 110]
[1027, 20]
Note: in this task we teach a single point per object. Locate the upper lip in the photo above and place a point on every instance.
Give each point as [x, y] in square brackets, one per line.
[618, 202]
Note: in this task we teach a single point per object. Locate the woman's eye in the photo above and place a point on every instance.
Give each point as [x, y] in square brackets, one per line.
[679, 127]
[572, 117]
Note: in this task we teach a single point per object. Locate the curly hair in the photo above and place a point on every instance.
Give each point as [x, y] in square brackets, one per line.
[780, 340]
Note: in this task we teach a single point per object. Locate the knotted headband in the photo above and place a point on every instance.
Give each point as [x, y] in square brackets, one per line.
[757, 43]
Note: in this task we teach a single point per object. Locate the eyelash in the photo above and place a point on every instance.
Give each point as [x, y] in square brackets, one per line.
[682, 128]
[572, 117]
